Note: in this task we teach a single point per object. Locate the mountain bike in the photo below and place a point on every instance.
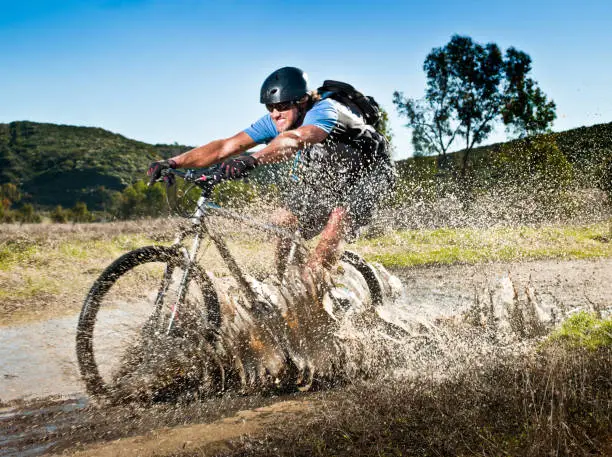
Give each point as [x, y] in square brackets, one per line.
[161, 295]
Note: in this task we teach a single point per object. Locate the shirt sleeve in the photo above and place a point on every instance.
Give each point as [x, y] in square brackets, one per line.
[262, 130]
[323, 115]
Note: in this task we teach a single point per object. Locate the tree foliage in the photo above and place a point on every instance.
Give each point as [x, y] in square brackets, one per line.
[61, 164]
[80, 213]
[384, 128]
[471, 87]
[59, 215]
[9, 194]
[139, 200]
[27, 214]
[526, 109]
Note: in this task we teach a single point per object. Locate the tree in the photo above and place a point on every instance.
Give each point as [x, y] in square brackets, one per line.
[470, 87]
[80, 213]
[9, 194]
[526, 109]
[384, 128]
[27, 214]
[139, 200]
[59, 215]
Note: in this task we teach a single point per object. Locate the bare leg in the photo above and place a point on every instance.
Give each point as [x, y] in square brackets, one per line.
[327, 251]
[325, 254]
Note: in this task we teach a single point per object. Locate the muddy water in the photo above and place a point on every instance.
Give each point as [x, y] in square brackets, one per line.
[38, 360]
[28, 430]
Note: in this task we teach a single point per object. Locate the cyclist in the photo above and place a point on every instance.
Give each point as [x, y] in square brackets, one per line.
[341, 166]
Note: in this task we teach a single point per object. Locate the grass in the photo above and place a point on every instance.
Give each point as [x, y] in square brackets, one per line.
[32, 287]
[45, 275]
[469, 245]
[46, 270]
[14, 252]
[42, 252]
[584, 330]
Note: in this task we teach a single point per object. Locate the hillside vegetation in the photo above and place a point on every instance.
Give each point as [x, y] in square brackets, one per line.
[52, 165]
[62, 164]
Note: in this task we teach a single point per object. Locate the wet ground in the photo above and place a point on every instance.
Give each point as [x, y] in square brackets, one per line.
[46, 410]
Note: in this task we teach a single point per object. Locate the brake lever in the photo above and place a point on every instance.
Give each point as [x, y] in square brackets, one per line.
[167, 177]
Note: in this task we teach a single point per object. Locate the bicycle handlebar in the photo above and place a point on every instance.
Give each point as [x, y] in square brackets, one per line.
[206, 182]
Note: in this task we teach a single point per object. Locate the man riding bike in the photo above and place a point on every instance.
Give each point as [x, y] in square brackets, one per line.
[341, 165]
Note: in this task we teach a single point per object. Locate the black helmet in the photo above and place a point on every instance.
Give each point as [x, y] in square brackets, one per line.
[287, 84]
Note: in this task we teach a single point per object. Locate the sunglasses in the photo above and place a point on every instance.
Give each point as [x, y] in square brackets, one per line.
[282, 106]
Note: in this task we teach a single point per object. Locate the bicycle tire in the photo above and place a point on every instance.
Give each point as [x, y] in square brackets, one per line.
[170, 258]
[368, 273]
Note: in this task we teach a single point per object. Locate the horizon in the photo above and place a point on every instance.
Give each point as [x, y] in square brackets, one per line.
[189, 72]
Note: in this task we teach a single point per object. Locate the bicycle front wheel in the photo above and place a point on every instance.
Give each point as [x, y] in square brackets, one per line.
[140, 301]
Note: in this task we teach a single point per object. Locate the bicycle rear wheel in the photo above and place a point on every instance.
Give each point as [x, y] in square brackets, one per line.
[368, 273]
[127, 315]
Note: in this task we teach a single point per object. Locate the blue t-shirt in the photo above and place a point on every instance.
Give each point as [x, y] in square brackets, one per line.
[323, 114]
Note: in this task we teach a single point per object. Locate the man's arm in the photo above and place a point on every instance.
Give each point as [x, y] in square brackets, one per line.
[214, 152]
[288, 143]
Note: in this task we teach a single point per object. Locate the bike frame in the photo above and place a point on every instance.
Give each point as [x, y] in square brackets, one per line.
[199, 228]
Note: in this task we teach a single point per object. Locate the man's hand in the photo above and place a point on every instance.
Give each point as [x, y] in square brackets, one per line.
[238, 167]
[155, 169]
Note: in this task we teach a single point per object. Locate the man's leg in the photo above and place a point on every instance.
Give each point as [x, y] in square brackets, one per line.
[327, 251]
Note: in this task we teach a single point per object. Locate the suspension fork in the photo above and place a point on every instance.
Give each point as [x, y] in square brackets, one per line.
[190, 257]
[198, 228]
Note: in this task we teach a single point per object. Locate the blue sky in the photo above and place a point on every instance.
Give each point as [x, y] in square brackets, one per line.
[190, 71]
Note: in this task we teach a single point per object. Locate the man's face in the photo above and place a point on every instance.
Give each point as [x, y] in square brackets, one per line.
[284, 115]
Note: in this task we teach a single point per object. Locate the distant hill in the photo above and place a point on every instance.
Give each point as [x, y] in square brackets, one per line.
[62, 164]
[588, 149]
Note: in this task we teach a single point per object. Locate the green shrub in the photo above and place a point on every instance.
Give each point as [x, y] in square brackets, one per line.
[80, 213]
[235, 193]
[27, 214]
[139, 200]
[59, 215]
[584, 330]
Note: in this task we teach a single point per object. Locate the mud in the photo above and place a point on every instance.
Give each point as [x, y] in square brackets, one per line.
[55, 426]
[37, 360]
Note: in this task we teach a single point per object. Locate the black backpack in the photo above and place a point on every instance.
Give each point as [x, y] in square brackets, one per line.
[351, 97]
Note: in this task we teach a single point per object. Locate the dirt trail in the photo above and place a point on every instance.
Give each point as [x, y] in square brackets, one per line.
[208, 439]
[37, 360]
[452, 288]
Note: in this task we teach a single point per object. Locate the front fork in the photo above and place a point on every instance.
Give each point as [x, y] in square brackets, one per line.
[182, 290]
[197, 228]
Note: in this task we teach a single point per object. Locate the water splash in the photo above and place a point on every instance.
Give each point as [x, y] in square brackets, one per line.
[298, 335]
